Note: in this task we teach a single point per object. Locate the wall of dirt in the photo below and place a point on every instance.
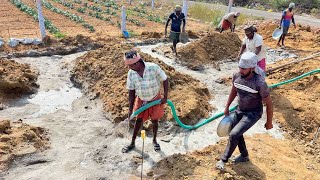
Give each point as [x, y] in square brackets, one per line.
[102, 73]
[297, 104]
[18, 139]
[18, 78]
[210, 49]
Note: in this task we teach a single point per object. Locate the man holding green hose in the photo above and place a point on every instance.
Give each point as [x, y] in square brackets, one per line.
[252, 90]
[144, 84]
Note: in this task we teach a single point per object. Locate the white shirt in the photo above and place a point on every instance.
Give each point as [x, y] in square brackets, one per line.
[252, 44]
[149, 86]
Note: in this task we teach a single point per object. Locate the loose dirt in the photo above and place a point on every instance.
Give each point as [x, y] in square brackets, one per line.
[18, 139]
[14, 23]
[103, 73]
[270, 159]
[301, 40]
[16, 79]
[296, 103]
[209, 50]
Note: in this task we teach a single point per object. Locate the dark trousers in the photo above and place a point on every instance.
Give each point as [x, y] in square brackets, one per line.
[241, 123]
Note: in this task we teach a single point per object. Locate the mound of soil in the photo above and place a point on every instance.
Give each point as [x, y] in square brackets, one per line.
[299, 40]
[52, 46]
[103, 73]
[148, 35]
[78, 40]
[209, 50]
[18, 139]
[269, 159]
[297, 104]
[17, 78]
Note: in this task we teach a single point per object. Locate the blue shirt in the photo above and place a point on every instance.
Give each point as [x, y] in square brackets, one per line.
[287, 16]
[176, 22]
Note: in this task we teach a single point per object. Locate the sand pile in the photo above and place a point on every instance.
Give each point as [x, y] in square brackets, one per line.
[18, 78]
[209, 50]
[102, 73]
[297, 104]
[299, 40]
[148, 35]
[18, 139]
[78, 40]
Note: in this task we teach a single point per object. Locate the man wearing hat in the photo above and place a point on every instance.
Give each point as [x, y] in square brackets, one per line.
[144, 84]
[177, 17]
[287, 16]
[228, 21]
[254, 42]
[252, 91]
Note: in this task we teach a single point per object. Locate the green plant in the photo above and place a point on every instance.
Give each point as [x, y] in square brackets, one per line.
[31, 12]
[59, 35]
[279, 4]
[82, 10]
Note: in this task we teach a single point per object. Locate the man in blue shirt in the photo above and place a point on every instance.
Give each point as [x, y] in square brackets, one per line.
[177, 17]
[287, 16]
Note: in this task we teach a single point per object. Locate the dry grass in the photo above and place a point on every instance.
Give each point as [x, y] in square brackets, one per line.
[204, 13]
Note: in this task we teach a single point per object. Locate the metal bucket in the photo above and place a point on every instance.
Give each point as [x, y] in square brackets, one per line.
[225, 126]
[277, 33]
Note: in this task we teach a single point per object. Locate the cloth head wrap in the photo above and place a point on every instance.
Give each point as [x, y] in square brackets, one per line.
[250, 29]
[135, 58]
[178, 8]
[250, 60]
[292, 5]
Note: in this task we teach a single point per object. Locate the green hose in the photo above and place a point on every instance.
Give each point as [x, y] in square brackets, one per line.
[175, 116]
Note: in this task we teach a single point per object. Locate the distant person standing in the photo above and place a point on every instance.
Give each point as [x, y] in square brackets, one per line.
[287, 16]
[253, 42]
[228, 21]
[177, 17]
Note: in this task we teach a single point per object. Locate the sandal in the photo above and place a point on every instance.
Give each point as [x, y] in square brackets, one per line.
[240, 158]
[128, 148]
[220, 165]
[156, 147]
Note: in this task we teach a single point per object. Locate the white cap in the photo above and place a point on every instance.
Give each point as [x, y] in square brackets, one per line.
[292, 5]
[250, 60]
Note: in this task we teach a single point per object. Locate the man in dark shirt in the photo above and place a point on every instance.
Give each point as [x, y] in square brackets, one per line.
[177, 17]
[252, 90]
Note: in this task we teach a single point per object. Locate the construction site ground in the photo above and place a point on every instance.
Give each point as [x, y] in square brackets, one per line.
[60, 114]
